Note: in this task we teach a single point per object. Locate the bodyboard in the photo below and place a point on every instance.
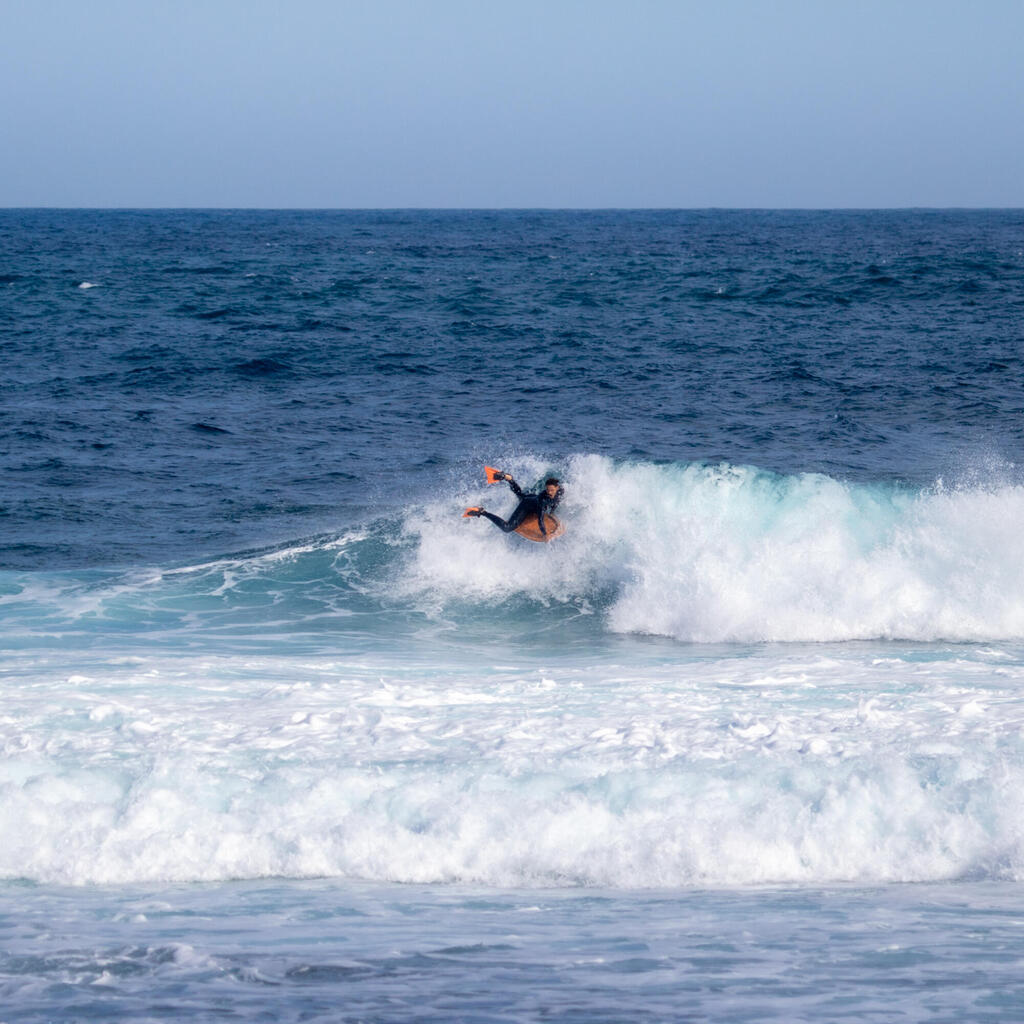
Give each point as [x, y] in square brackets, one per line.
[529, 529]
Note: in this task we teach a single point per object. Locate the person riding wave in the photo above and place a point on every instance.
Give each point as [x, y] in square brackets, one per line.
[537, 505]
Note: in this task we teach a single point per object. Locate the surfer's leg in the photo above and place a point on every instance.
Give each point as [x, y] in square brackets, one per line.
[500, 523]
[522, 510]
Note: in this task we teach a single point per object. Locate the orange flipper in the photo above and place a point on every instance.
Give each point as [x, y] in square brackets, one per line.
[472, 512]
[493, 475]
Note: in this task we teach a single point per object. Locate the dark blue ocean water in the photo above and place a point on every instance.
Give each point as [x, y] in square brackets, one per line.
[283, 736]
[237, 377]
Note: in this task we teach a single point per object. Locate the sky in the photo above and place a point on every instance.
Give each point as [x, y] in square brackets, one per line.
[512, 103]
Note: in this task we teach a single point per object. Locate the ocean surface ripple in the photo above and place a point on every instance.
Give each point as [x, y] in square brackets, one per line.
[233, 376]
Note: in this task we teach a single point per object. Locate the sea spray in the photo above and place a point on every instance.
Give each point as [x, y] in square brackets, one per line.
[727, 553]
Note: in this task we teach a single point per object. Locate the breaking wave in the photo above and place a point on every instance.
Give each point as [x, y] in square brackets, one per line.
[721, 553]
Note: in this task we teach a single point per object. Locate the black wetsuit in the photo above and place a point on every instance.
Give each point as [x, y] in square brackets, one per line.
[537, 505]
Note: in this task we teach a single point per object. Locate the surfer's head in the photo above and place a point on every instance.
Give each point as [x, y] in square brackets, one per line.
[552, 486]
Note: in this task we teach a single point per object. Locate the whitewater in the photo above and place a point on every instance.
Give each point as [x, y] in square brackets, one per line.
[840, 699]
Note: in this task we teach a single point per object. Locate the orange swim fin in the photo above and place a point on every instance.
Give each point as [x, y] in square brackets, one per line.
[493, 475]
[472, 513]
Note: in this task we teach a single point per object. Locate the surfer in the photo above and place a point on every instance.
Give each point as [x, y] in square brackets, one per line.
[529, 505]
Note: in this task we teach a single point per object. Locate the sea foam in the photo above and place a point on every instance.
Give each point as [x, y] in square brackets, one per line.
[357, 705]
[697, 553]
[788, 766]
[721, 553]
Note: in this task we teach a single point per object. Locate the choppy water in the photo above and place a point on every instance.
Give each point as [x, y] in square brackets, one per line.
[280, 728]
[319, 951]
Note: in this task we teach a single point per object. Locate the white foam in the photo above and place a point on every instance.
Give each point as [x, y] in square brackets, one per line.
[724, 553]
[711, 772]
[445, 763]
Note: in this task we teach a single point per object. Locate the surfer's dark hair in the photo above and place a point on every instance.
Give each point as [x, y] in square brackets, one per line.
[553, 480]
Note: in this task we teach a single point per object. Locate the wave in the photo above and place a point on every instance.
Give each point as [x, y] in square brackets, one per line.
[695, 552]
[273, 713]
[721, 553]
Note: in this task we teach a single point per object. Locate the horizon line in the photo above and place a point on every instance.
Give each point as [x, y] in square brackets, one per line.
[516, 209]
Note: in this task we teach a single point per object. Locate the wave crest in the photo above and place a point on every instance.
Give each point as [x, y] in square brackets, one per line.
[727, 553]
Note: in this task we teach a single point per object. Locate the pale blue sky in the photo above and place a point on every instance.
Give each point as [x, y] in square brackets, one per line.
[534, 103]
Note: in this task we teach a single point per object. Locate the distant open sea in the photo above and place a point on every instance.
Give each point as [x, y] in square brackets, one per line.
[283, 737]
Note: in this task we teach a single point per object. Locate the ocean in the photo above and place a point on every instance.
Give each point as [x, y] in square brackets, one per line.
[285, 737]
